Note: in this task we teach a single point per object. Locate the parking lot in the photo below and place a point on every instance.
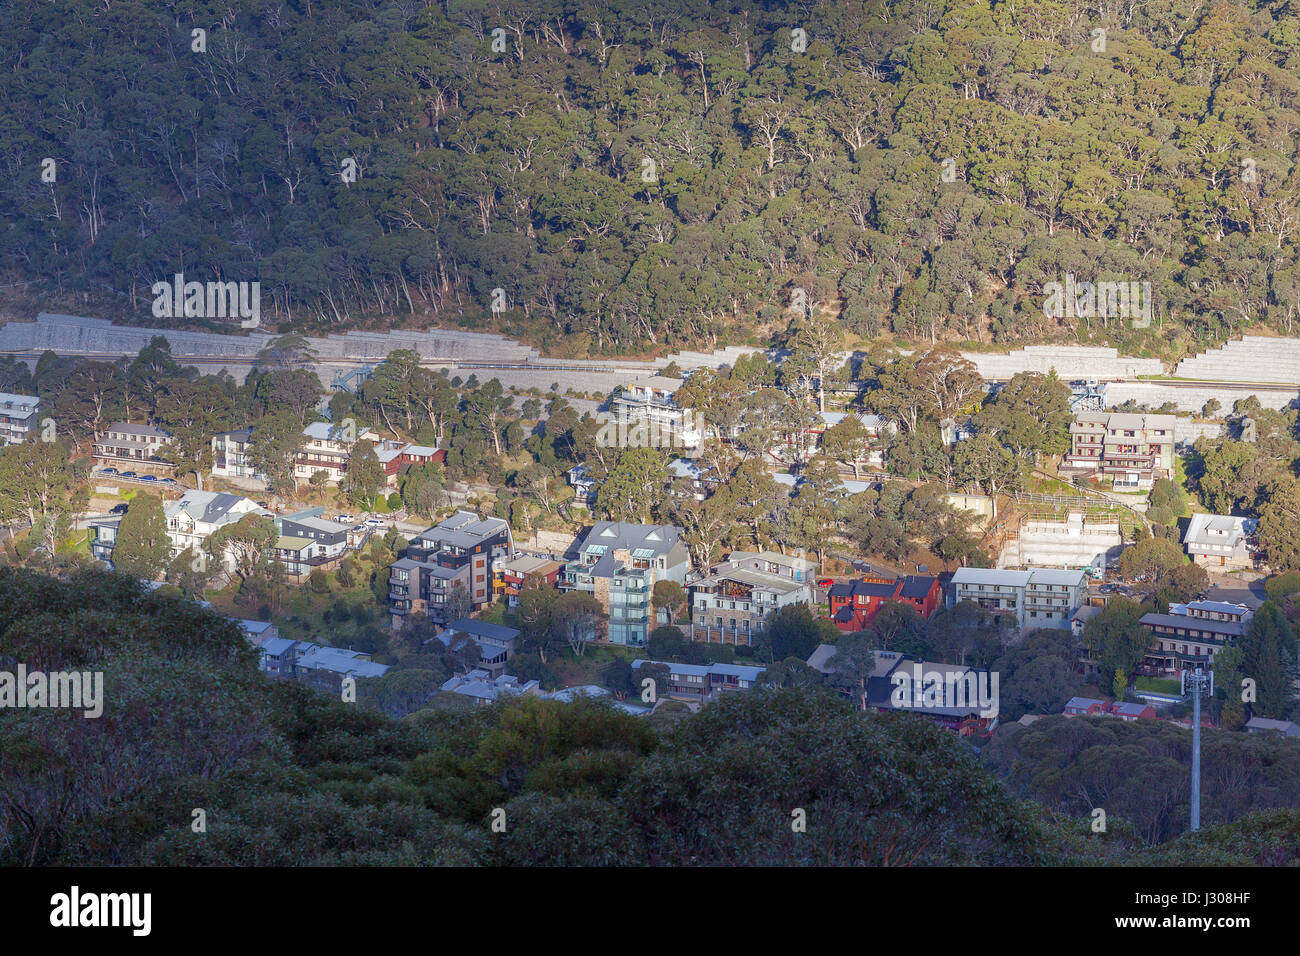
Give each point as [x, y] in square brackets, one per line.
[130, 477]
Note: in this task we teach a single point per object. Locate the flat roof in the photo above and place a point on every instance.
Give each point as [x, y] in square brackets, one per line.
[476, 628]
[320, 524]
[756, 579]
[1000, 576]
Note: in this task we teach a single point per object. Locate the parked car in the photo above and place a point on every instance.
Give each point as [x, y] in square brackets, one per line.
[148, 477]
[825, 582]
[127, 474]
[117, 509]
[374, 523]
[345, 519]
[166, 481]
[108, 471]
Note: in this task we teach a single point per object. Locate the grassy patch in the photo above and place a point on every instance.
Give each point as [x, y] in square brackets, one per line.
[1157, 685]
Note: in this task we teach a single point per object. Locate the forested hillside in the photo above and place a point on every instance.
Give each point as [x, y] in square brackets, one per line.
[636, 174]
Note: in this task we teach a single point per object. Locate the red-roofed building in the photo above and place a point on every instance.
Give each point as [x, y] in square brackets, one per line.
[395, 455]
[1132, 711]
[854, 604]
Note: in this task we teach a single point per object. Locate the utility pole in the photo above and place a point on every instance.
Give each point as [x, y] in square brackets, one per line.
[1196, 682]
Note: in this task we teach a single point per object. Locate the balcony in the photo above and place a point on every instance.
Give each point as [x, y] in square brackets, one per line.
[338, 464]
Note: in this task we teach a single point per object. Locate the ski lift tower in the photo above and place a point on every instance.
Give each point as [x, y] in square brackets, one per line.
[1197, 680]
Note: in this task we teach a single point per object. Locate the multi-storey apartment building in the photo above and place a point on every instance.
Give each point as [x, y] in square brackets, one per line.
[649, 401]
[735, 601]
[327, 448]
[230, 455]
[422, 587]
[618, 564]
[1045, 597]
[1133, 449]
[20, 417]
[1192, 634]
[1221, 541]
[461, 549]
[137, 448]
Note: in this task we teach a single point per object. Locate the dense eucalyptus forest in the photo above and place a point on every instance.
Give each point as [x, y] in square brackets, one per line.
[617, 176]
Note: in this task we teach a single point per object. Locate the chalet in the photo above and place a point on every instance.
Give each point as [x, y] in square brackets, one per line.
[1191, 634]
[496, 643]
[1221, 541]
[1086, 707]
[483, 689]
[325, 668]
[648, 406]
[1131, 712]
[192, 519]
[701, 682]
[138, 448]
[309, 541]
[1266, 725]
[947, 694]
[584, 487]
[854, 604]
[396, 455]
[878, 429]
[957, 697]
[510, 576]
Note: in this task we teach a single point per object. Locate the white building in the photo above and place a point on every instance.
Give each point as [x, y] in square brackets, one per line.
[1040, 598]
[230, 455]
[327, 448]
[19, 417]
[650, 401]
[134, 447]
[1221, 541]
[197, 514]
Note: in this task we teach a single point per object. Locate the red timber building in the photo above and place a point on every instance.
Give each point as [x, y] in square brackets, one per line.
[854, 604]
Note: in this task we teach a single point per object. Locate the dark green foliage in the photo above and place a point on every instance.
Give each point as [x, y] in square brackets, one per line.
[1140, 771]
[822, 169]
